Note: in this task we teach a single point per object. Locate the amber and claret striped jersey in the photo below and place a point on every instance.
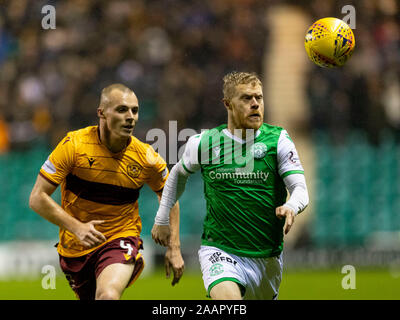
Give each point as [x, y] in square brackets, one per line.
[97, 184]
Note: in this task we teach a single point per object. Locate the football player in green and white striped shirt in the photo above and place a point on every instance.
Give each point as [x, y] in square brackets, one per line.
[247, 166]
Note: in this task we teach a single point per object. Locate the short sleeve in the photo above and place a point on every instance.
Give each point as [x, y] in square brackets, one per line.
[159, 171]
[190, 157]
[60, 162]
[288, 158]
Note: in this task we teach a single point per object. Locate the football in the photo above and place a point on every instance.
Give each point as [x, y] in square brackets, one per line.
[329, 42]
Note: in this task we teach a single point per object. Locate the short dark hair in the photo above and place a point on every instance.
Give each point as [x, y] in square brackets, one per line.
[105, 93]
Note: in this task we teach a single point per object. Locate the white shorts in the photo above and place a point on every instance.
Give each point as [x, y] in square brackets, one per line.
[258, 278]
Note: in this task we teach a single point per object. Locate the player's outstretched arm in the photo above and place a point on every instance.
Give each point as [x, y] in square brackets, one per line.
[174, 188]
[41, 202]
[172, 191]
[297, 202]
[173, 257]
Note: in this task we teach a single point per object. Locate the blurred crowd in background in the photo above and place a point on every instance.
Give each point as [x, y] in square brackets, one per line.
[173, 54]
[365, 94]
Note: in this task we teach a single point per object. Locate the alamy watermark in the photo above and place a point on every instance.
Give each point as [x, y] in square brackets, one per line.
[216, 147]
[350, 17]
[49, 19]
[49, 279]
[349, 280]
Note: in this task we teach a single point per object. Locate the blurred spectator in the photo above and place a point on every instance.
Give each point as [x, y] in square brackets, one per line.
[174, 54]
[4, 141]
[368, 86]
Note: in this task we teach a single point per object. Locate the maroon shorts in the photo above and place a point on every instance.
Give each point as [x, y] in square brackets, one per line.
[82, 272]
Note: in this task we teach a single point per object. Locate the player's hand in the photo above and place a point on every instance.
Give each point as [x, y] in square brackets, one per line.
[88, 235]
[174, 260]
[285, 212]
[161, 234]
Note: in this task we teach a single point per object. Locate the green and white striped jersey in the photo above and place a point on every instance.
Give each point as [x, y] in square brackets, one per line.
[243, 184]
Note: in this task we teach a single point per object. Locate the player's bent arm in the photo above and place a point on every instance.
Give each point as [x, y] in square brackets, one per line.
[175, 242]
[296, 184]
[173, 223]
[170, 238]
[290, 168]
[41, 202]
[173, 189]
[177, 179]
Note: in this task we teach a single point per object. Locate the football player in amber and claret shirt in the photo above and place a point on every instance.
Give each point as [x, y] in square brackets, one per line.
[101, 170]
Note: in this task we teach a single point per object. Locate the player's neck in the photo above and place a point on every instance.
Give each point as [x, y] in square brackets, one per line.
[113, 143]
[242, 133]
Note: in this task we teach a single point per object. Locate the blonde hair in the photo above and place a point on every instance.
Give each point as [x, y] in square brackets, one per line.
[231, 80]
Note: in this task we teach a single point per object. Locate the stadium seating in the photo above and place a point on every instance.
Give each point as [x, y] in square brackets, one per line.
[192, 208]
[357, 190]
[357, 194]
[18, 171]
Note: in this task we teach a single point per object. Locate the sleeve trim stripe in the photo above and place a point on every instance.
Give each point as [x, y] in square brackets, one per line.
[48, 180]
[186, 169]
[241, 286]
[287, 173]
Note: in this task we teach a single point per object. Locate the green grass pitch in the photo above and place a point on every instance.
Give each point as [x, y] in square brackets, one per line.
[301, 285]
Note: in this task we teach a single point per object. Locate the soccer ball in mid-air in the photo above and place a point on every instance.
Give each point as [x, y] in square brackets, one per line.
[329, 42]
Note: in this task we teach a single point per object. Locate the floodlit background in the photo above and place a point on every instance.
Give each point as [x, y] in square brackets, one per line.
[173, 54]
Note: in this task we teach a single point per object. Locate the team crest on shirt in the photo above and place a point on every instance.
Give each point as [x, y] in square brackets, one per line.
[133, 170]
[258, 150]
[217, 150]
[216, 269]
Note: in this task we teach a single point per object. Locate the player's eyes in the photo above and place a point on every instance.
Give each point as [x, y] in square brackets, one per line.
[122, 109]
[251, 97]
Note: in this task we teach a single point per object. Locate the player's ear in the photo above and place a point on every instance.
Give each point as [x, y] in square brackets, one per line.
[100, 113]
[227, 104]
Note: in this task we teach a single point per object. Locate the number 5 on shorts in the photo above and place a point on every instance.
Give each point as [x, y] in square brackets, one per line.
[127, 246]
